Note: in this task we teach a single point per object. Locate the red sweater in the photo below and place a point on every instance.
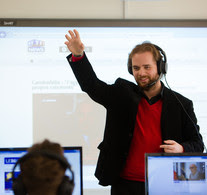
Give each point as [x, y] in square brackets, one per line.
[146, 139]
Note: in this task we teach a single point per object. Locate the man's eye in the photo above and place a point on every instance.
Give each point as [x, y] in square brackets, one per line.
[135, 68]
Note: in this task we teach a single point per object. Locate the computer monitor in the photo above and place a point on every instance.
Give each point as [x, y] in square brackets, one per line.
[176, 174]
[9, 156]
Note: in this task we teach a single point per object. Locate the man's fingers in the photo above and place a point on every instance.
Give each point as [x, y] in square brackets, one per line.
[169, 147]
[76, 34]
[67, 37]
[168, 151]
[169, 142]
[71, 34]
[66, 43]
[74, 43]
[172, 146]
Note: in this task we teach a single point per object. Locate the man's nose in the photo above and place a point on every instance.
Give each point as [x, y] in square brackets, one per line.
[141, 72]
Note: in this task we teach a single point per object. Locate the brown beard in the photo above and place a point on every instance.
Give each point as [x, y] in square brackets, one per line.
[148, 86]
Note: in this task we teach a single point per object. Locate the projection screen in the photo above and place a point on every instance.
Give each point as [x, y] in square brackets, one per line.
[40, 97]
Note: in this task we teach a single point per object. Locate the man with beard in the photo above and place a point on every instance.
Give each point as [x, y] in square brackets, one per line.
[195, 174]
[142, 118]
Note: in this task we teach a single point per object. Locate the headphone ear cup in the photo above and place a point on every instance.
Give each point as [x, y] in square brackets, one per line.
[159, 64]
[66, 187]
[18, 186]
[130, 69]
[161, 67]
[162, 64]
[129, 66]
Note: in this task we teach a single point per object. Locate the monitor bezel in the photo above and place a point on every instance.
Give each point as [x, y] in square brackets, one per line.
[166, 155]
[78, 148]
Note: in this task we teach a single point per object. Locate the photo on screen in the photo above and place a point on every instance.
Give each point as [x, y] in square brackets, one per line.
[189, 171]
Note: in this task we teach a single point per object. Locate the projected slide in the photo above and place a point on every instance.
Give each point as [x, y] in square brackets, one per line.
[40, 97]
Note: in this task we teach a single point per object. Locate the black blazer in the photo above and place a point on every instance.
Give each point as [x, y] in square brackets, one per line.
[121, 101]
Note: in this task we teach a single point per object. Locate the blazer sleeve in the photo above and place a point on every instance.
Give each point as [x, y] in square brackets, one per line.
[194, 141]
[98, 90]
[179, 121]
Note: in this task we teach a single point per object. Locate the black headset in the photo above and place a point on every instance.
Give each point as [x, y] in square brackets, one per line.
[67, 184]
[161, 64]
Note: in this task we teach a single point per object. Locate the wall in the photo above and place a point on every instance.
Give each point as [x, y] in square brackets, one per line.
[107, 9]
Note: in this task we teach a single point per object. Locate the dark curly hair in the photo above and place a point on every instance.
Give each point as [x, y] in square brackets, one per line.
[40, 174]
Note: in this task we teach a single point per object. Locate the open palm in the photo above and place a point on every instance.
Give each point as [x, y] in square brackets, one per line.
[74, 43]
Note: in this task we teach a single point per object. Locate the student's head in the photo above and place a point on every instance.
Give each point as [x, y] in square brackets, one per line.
[146, 63]
[43, 171]
[193, 168]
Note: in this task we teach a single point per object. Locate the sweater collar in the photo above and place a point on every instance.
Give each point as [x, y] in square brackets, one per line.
[155, 98]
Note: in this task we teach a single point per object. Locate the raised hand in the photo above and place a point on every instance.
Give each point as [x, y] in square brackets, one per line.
[74, 43]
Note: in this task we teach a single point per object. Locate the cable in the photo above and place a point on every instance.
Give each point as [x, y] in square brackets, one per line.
[197, 131]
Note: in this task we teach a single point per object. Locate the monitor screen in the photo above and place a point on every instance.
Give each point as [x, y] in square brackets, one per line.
[176, 174]
[9, 156]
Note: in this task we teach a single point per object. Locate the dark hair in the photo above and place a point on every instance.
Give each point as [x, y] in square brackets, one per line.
[41, 174]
